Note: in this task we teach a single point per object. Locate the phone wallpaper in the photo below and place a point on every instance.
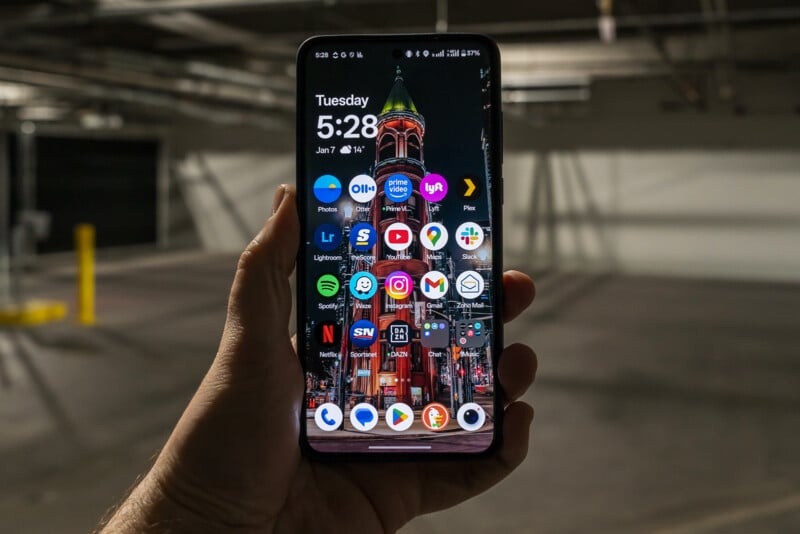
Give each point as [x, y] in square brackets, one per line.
[397, 282]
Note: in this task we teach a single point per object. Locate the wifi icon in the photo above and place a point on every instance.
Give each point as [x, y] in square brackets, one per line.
[327, 285]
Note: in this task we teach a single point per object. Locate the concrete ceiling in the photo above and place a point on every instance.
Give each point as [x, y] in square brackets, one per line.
[231, 61]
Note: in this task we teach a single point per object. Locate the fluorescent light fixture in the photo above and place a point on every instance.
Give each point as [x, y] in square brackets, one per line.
[42, 113]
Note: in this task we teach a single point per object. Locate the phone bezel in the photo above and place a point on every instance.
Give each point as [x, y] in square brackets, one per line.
[496, 222]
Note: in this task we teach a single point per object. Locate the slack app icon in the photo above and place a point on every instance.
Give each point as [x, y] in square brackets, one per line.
[328, 333]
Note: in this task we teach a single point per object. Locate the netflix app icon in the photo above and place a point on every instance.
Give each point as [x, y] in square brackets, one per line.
[328, 333]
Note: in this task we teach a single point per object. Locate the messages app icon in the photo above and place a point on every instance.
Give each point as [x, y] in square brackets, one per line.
[364, 417]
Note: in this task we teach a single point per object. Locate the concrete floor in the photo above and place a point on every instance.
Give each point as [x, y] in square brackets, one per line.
[661, 404]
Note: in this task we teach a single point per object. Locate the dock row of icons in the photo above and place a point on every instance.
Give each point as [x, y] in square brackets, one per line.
[400, 416]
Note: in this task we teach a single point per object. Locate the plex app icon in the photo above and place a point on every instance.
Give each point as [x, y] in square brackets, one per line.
[469, 188]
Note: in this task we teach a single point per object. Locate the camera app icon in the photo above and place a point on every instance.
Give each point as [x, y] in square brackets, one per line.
[471, 416]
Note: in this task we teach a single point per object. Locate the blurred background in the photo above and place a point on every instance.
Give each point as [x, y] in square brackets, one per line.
[652, 178]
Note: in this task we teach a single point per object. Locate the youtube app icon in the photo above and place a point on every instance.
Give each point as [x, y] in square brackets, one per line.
[397, 236]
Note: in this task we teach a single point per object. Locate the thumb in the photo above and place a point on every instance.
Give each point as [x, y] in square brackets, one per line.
[260, 301]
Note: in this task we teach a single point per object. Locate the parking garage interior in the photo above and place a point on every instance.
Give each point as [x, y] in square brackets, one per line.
[652, 176]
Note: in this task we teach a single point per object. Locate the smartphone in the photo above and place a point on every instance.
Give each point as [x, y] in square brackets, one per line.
[399, 286]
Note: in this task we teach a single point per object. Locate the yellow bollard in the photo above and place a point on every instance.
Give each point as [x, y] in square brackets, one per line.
[84, 247]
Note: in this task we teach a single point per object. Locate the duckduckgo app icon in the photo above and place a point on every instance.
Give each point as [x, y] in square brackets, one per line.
[435, 416]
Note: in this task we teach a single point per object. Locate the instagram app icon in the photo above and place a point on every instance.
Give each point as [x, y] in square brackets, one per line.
[433, 187]
[399, 285]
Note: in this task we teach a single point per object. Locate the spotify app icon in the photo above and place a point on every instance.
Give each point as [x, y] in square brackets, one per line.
[327, 285]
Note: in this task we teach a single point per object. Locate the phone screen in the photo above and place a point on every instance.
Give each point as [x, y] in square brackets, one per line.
[399, 272]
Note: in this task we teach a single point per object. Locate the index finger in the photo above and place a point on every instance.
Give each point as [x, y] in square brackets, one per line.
[518, 293]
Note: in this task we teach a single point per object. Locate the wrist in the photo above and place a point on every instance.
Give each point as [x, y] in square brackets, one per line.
[164, 504]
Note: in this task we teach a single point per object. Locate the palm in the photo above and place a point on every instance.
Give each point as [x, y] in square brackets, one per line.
[233, 460]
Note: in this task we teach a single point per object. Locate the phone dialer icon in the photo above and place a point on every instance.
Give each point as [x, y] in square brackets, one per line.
[328, 417]
[470, 334]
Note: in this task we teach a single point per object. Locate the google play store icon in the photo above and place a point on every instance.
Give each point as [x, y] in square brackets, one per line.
[399, 416]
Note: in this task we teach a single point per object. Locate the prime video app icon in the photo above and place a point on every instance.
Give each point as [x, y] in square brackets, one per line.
[398, 188]
[327, 189]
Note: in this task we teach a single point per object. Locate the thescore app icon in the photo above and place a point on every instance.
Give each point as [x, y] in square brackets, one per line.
[363, 237]
[362, 188]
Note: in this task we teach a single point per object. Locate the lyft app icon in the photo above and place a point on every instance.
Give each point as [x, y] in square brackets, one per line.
[433, 187]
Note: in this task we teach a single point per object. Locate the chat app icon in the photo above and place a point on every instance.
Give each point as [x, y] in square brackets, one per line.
[364, 417]
[435, 333]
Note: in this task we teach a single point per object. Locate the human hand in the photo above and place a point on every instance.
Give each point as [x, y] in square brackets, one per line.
[233, 461]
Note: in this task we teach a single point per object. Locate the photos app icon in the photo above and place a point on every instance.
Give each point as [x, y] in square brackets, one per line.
[327, 188]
